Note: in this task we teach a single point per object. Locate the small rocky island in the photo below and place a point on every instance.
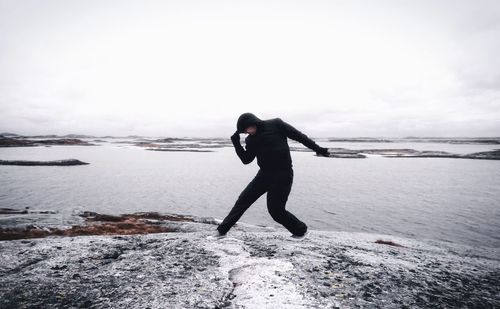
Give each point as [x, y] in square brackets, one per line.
[405, 153]
[27, 142]
[66, 162]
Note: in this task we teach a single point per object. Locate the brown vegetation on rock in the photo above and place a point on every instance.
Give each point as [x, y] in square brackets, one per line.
[101, 224]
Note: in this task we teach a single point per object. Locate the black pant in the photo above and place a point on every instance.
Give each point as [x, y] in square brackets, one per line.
[277, 184]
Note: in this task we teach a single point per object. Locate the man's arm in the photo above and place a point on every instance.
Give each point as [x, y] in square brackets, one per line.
[245, 156]
[300, 137]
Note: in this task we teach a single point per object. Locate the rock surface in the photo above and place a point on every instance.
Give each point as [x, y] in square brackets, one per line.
[250, 268]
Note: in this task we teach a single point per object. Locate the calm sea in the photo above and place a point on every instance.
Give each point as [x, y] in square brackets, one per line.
[454, 200]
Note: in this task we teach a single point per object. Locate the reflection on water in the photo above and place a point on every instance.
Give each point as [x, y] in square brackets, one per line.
[440, 199]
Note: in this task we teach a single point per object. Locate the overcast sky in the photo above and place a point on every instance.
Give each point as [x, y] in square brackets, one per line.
[190, 68]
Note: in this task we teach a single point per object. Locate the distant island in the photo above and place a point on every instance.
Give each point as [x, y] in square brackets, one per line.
[203, 145]
[409, 139]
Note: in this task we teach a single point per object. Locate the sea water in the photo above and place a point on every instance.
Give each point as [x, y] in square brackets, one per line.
[454, 200]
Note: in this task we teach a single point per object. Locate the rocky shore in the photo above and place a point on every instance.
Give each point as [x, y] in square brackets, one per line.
[92, 224]
[253, 267]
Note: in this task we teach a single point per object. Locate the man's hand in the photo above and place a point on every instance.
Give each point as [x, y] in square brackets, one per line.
[323, 152]
[235, 137]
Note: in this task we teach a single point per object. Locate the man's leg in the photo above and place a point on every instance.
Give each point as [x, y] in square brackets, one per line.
[277, 196]
[247, 197]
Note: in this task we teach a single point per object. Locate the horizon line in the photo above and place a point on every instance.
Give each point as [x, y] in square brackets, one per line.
[218, 137]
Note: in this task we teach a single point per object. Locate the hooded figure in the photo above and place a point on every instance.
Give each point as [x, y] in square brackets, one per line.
[245, 120]
[267, 140]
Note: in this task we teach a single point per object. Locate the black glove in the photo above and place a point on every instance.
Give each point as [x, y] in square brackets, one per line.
[235, 137]
[323, 152]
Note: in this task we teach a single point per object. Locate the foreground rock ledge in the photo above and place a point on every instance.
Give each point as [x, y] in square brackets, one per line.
[251, 268]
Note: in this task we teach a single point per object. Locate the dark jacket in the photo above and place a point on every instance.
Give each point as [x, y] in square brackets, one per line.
[269, 144]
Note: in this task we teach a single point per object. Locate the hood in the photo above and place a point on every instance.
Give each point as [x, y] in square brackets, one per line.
[245, 120]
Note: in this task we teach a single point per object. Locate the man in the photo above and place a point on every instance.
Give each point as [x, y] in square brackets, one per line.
[267, 140]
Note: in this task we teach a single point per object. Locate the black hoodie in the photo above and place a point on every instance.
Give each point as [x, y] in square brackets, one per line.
[269, 143]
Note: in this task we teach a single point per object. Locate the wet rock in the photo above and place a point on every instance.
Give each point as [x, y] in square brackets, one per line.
[93, 216]
[100, 224]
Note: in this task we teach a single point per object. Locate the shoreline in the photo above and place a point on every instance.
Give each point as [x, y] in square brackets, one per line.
[30, 223]
[251, 267]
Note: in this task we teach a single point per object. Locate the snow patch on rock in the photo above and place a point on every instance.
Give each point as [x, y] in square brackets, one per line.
[256, 282]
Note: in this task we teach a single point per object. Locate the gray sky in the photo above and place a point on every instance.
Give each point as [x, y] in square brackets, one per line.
[190, 68]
